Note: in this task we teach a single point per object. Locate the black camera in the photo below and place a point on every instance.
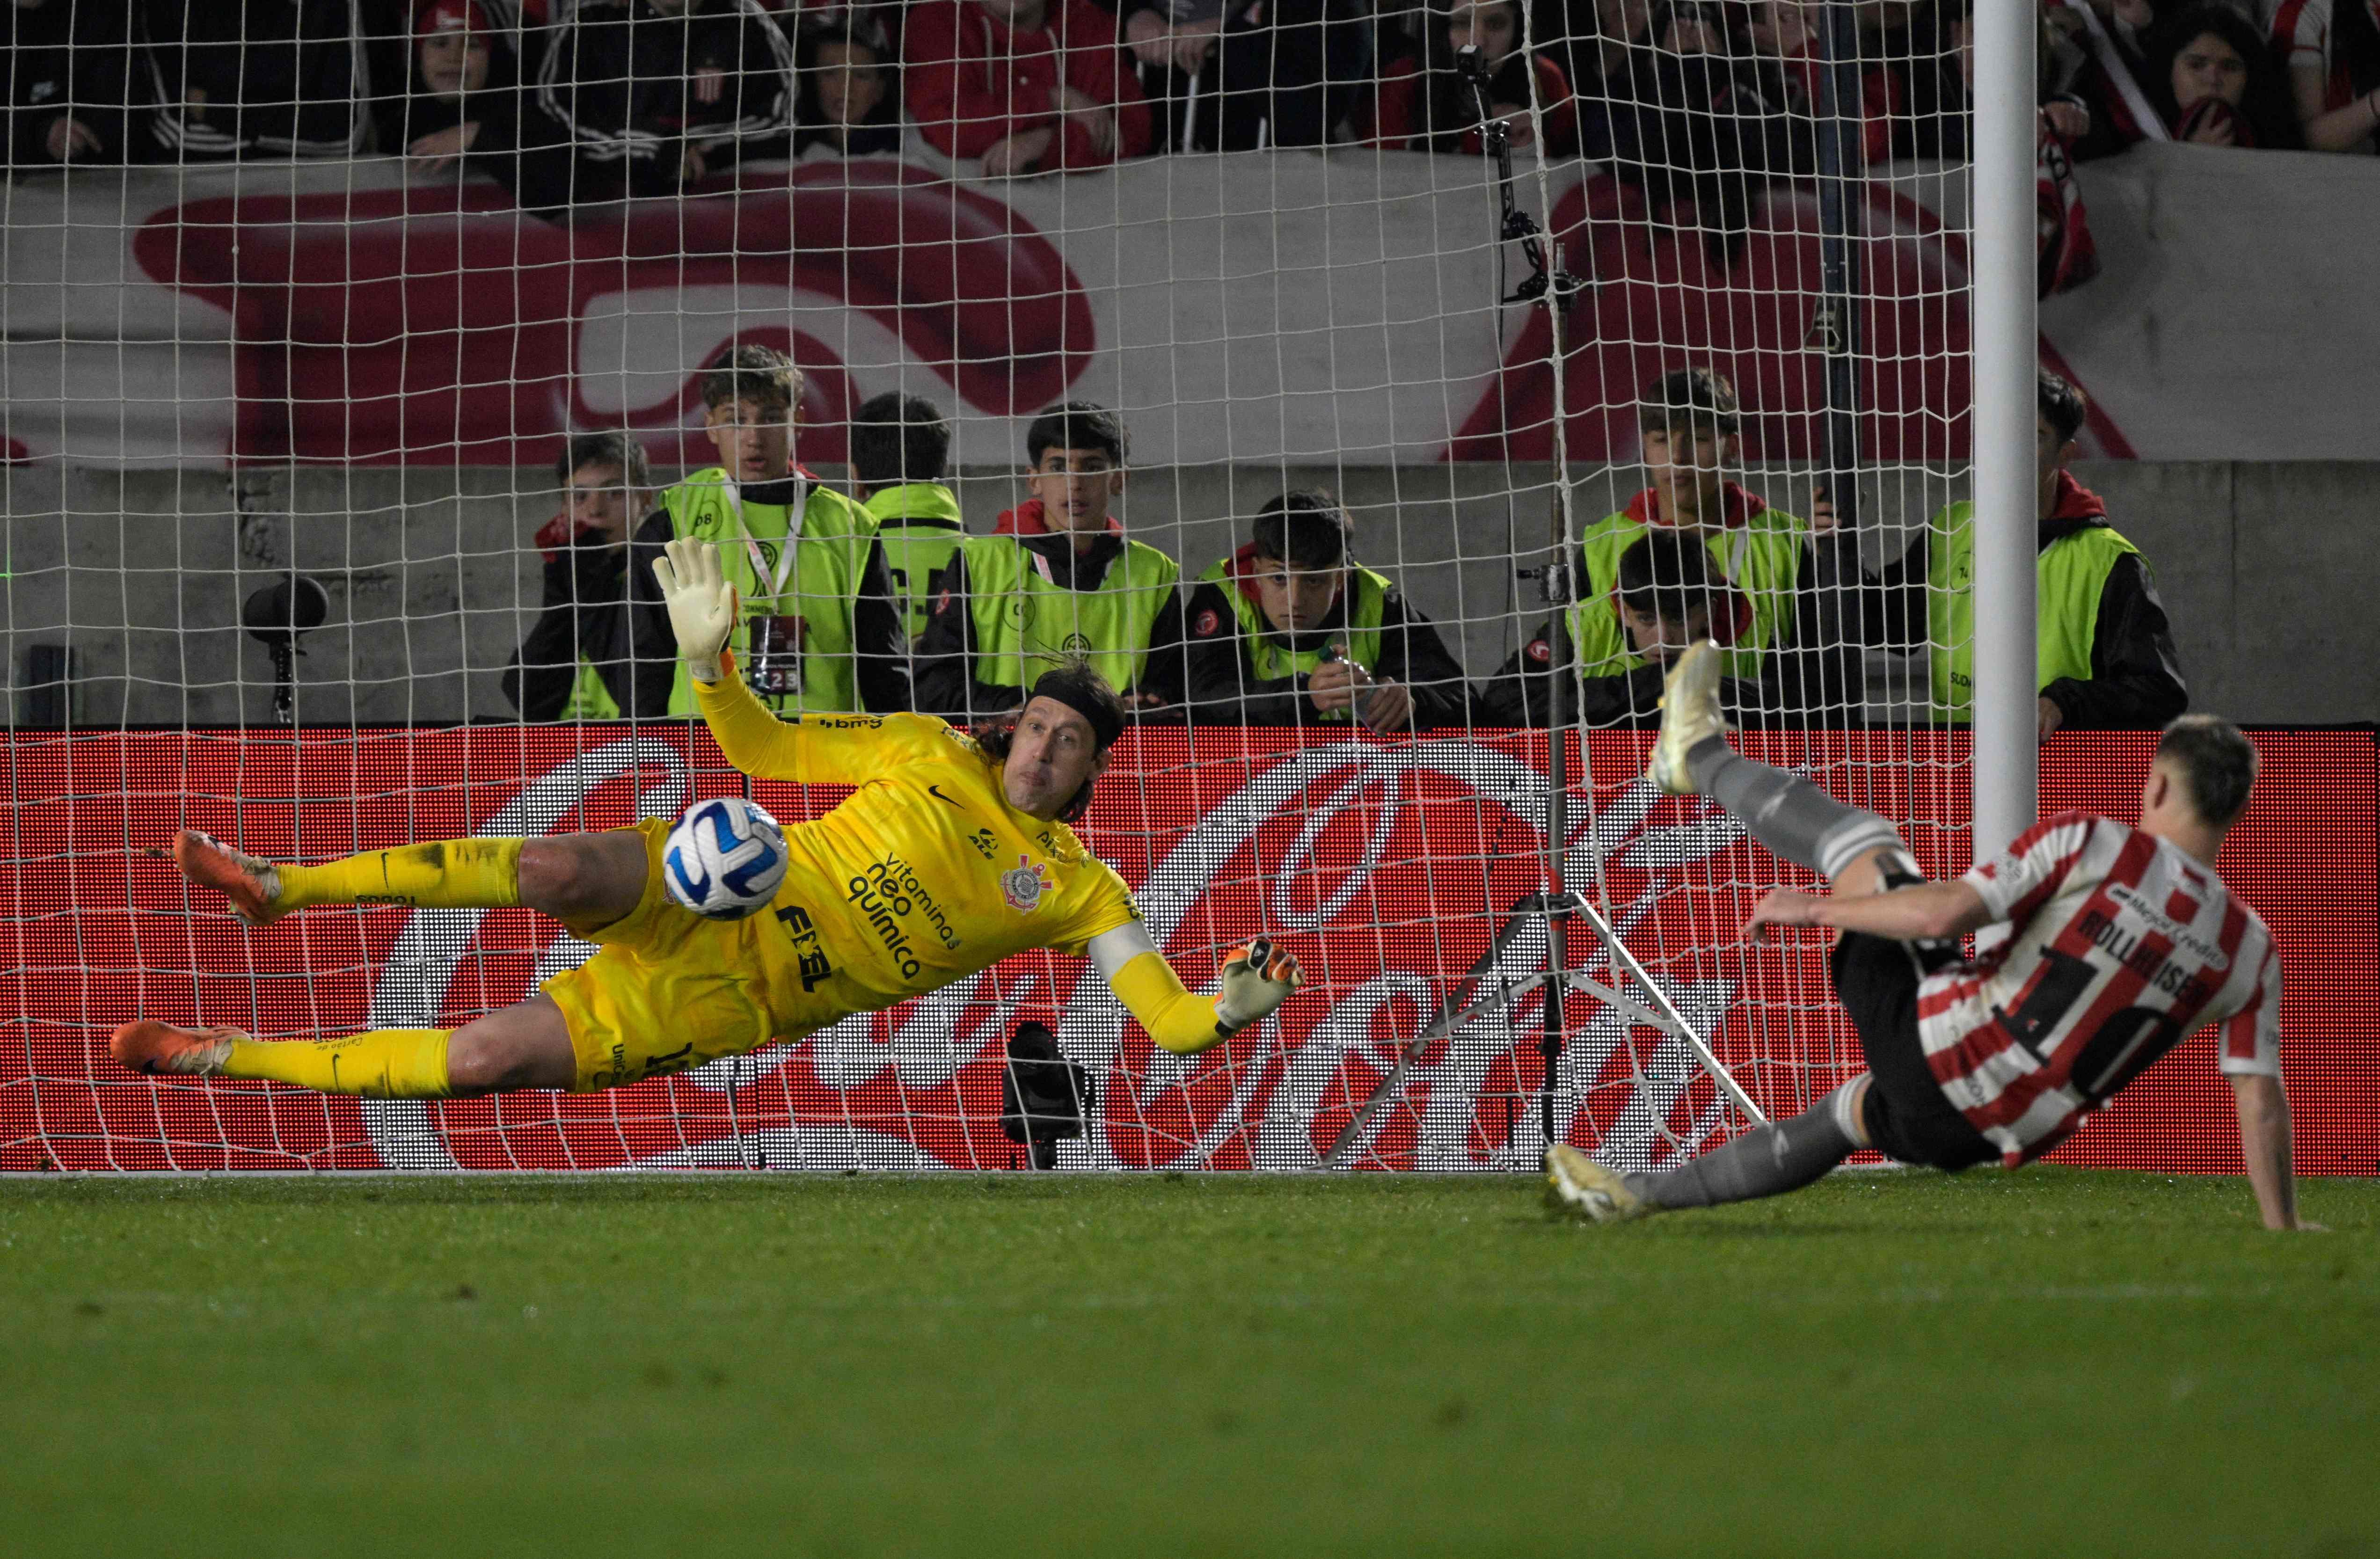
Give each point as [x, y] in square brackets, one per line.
[1044, 1097]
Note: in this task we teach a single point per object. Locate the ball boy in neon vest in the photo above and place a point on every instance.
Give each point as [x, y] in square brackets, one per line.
[601, 649]
[2105, 656]
[1688, 425]
[1292, 630]
[1058, 582]
[900, 451]
[1667, 598]
[816, 630]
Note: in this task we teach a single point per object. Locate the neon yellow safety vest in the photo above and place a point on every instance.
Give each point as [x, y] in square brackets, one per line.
[1025, 622]
[590, 699]
[2071, 574]
[1368, 603]
[829, 558]
[1761, 558]
[921, 527]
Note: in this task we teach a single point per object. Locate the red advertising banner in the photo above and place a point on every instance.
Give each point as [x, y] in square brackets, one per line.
[1386, 866]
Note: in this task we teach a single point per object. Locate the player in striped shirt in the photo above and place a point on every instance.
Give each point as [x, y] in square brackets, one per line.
[2122, 940]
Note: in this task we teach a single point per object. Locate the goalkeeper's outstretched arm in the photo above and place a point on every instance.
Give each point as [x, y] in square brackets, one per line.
[1256, 980]
[702, 611]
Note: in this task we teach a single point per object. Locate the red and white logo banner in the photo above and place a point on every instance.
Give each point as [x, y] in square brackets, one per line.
[1386, 867]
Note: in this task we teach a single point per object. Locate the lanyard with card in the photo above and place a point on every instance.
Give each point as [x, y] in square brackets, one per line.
[774, 646]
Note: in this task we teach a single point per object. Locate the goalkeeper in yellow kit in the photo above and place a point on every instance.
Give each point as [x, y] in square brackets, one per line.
[951, 854]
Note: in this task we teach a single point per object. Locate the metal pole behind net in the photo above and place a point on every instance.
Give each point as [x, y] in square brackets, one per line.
[2005, 331]
[1835, 331]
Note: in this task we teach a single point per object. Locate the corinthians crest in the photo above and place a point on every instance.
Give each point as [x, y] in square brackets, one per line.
[1022, 885]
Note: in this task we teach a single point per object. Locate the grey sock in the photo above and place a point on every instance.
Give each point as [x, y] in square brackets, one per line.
[1791, 817]
[1767, 1161]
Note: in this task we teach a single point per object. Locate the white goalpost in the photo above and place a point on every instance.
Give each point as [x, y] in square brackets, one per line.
[294, 557]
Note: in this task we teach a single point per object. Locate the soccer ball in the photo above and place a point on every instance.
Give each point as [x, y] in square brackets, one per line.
[725, 859]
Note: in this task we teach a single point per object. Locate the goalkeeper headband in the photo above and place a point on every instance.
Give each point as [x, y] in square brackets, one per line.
[1066, 687]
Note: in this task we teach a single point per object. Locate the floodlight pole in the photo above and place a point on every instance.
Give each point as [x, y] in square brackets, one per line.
[2006, 331]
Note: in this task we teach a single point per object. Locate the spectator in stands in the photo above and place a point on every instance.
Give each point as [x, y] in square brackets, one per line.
[1784, 40]
[65, 61]
[1231, 75]
[818, 631]
[1426, 105]
[1762, 557]
[2332, 49]
[2106, 660]
[1667, 596]
[602, 647]
[2065, 253]
[1706, 138]
[1027, 86]
[252, 79]
[900, 450]
[1605, 52]
[655, 94]
[461, 103]
[1058, 582]
[1292, 630]
[850, 101]
[2208, 73]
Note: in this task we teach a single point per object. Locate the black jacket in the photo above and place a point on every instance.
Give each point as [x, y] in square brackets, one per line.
[2135, 681]
[1225, 688]
[947, 649]
[620, 80]
[603, 606]
[66, 57]
[277, 78]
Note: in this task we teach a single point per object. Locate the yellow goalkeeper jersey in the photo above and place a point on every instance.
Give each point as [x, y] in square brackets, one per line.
[925, 873]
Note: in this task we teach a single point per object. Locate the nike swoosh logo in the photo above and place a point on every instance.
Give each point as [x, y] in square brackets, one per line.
[936, 791]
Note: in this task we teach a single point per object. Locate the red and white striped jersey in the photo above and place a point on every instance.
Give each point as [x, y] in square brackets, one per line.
[2119, 946]
[2302, 37]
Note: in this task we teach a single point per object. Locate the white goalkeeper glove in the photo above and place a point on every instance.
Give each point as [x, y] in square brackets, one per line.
[701, 604]
[1257, 980]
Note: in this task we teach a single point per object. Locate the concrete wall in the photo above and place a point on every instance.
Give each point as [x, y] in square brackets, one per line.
[2266, 569]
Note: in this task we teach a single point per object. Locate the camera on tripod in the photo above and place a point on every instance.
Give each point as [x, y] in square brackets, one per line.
[1044, 1097]
[277, 617]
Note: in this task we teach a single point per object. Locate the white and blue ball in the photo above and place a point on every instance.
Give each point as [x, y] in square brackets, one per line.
[725, 858]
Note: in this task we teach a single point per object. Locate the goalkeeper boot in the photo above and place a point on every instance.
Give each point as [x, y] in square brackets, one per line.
[1690, 717]
[252, 885]
[1577, 1184]
[156, 1049]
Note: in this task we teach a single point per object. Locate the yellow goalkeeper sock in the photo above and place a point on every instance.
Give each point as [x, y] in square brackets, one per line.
[452, 874]
[382, 1064]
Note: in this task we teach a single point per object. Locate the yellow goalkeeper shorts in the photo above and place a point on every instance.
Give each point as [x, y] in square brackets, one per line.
[667, 989]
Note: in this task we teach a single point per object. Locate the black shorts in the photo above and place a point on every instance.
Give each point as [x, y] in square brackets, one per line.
[1908, 1119]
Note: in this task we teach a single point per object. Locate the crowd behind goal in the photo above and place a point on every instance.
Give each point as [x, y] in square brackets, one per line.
[1695, 100]
[876, 600]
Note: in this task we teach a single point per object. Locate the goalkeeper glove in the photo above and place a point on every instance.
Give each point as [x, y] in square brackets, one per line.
[701, 604]
[1257, 980]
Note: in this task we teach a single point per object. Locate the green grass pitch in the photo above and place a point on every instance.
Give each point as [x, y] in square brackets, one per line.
[2055, 1363]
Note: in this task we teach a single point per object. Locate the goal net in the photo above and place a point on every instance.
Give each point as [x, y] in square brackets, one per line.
[304, 334]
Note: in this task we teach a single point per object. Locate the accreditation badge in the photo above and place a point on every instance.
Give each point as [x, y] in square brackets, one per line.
[776, 656]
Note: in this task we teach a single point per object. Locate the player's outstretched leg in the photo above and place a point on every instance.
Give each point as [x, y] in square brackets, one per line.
[459, 874]
[1786, 812]
[584, 879]
[523, 1047]
[1767, 1161]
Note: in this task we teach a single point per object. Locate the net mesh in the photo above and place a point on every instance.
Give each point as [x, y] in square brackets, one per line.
[300, 338]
